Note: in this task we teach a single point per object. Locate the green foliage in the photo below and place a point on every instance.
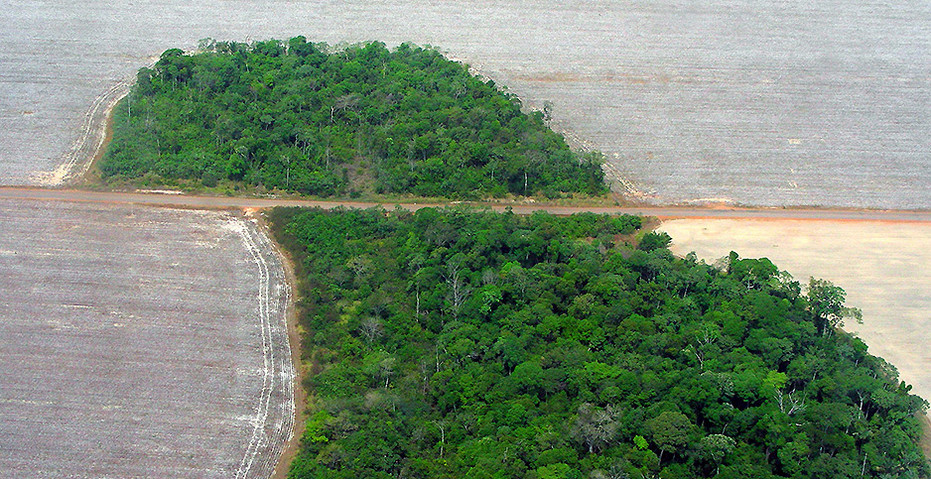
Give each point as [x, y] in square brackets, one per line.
[453, 343]
[826, 303]
[652, 241]
[641, 442]
[302, 117]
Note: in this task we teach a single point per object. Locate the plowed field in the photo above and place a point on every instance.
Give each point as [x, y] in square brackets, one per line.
[140, 342]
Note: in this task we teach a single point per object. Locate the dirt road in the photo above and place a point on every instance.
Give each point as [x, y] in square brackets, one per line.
[666, 212]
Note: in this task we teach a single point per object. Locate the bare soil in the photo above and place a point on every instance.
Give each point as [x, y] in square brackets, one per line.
[140, 342]
[88, 148]
[291, 447]
[91, 173]
[926, 435]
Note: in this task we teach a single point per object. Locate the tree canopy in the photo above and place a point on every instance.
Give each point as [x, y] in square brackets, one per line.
[454, 343]
[308, 118]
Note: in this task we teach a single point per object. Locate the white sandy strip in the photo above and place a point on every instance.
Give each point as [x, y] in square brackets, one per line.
[885, 267]
[279, 428]
[276, 400]
[94, 128]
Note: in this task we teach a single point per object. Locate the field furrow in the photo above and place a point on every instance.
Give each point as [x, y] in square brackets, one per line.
[140, 342]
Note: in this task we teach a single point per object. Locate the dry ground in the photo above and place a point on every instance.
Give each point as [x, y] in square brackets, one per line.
[885, 267]
[140, 342]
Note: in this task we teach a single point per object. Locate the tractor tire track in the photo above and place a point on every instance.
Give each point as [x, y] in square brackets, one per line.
[273, 423]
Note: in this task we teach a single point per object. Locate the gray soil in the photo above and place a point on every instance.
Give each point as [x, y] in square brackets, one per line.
[140, 342]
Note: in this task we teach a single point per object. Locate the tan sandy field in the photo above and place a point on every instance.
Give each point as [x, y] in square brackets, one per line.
[885, 267]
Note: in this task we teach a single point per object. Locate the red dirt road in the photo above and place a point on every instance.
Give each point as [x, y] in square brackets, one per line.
[663, 212]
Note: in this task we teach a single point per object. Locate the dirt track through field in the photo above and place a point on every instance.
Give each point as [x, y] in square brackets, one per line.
[271, 431]
[664, 212]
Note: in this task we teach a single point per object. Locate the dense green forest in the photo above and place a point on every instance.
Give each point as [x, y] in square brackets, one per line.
[303, 117]
[455, 343]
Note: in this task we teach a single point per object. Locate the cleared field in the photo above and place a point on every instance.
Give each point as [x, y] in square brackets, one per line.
[140, 342]
[885, 267]
[770, 103]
